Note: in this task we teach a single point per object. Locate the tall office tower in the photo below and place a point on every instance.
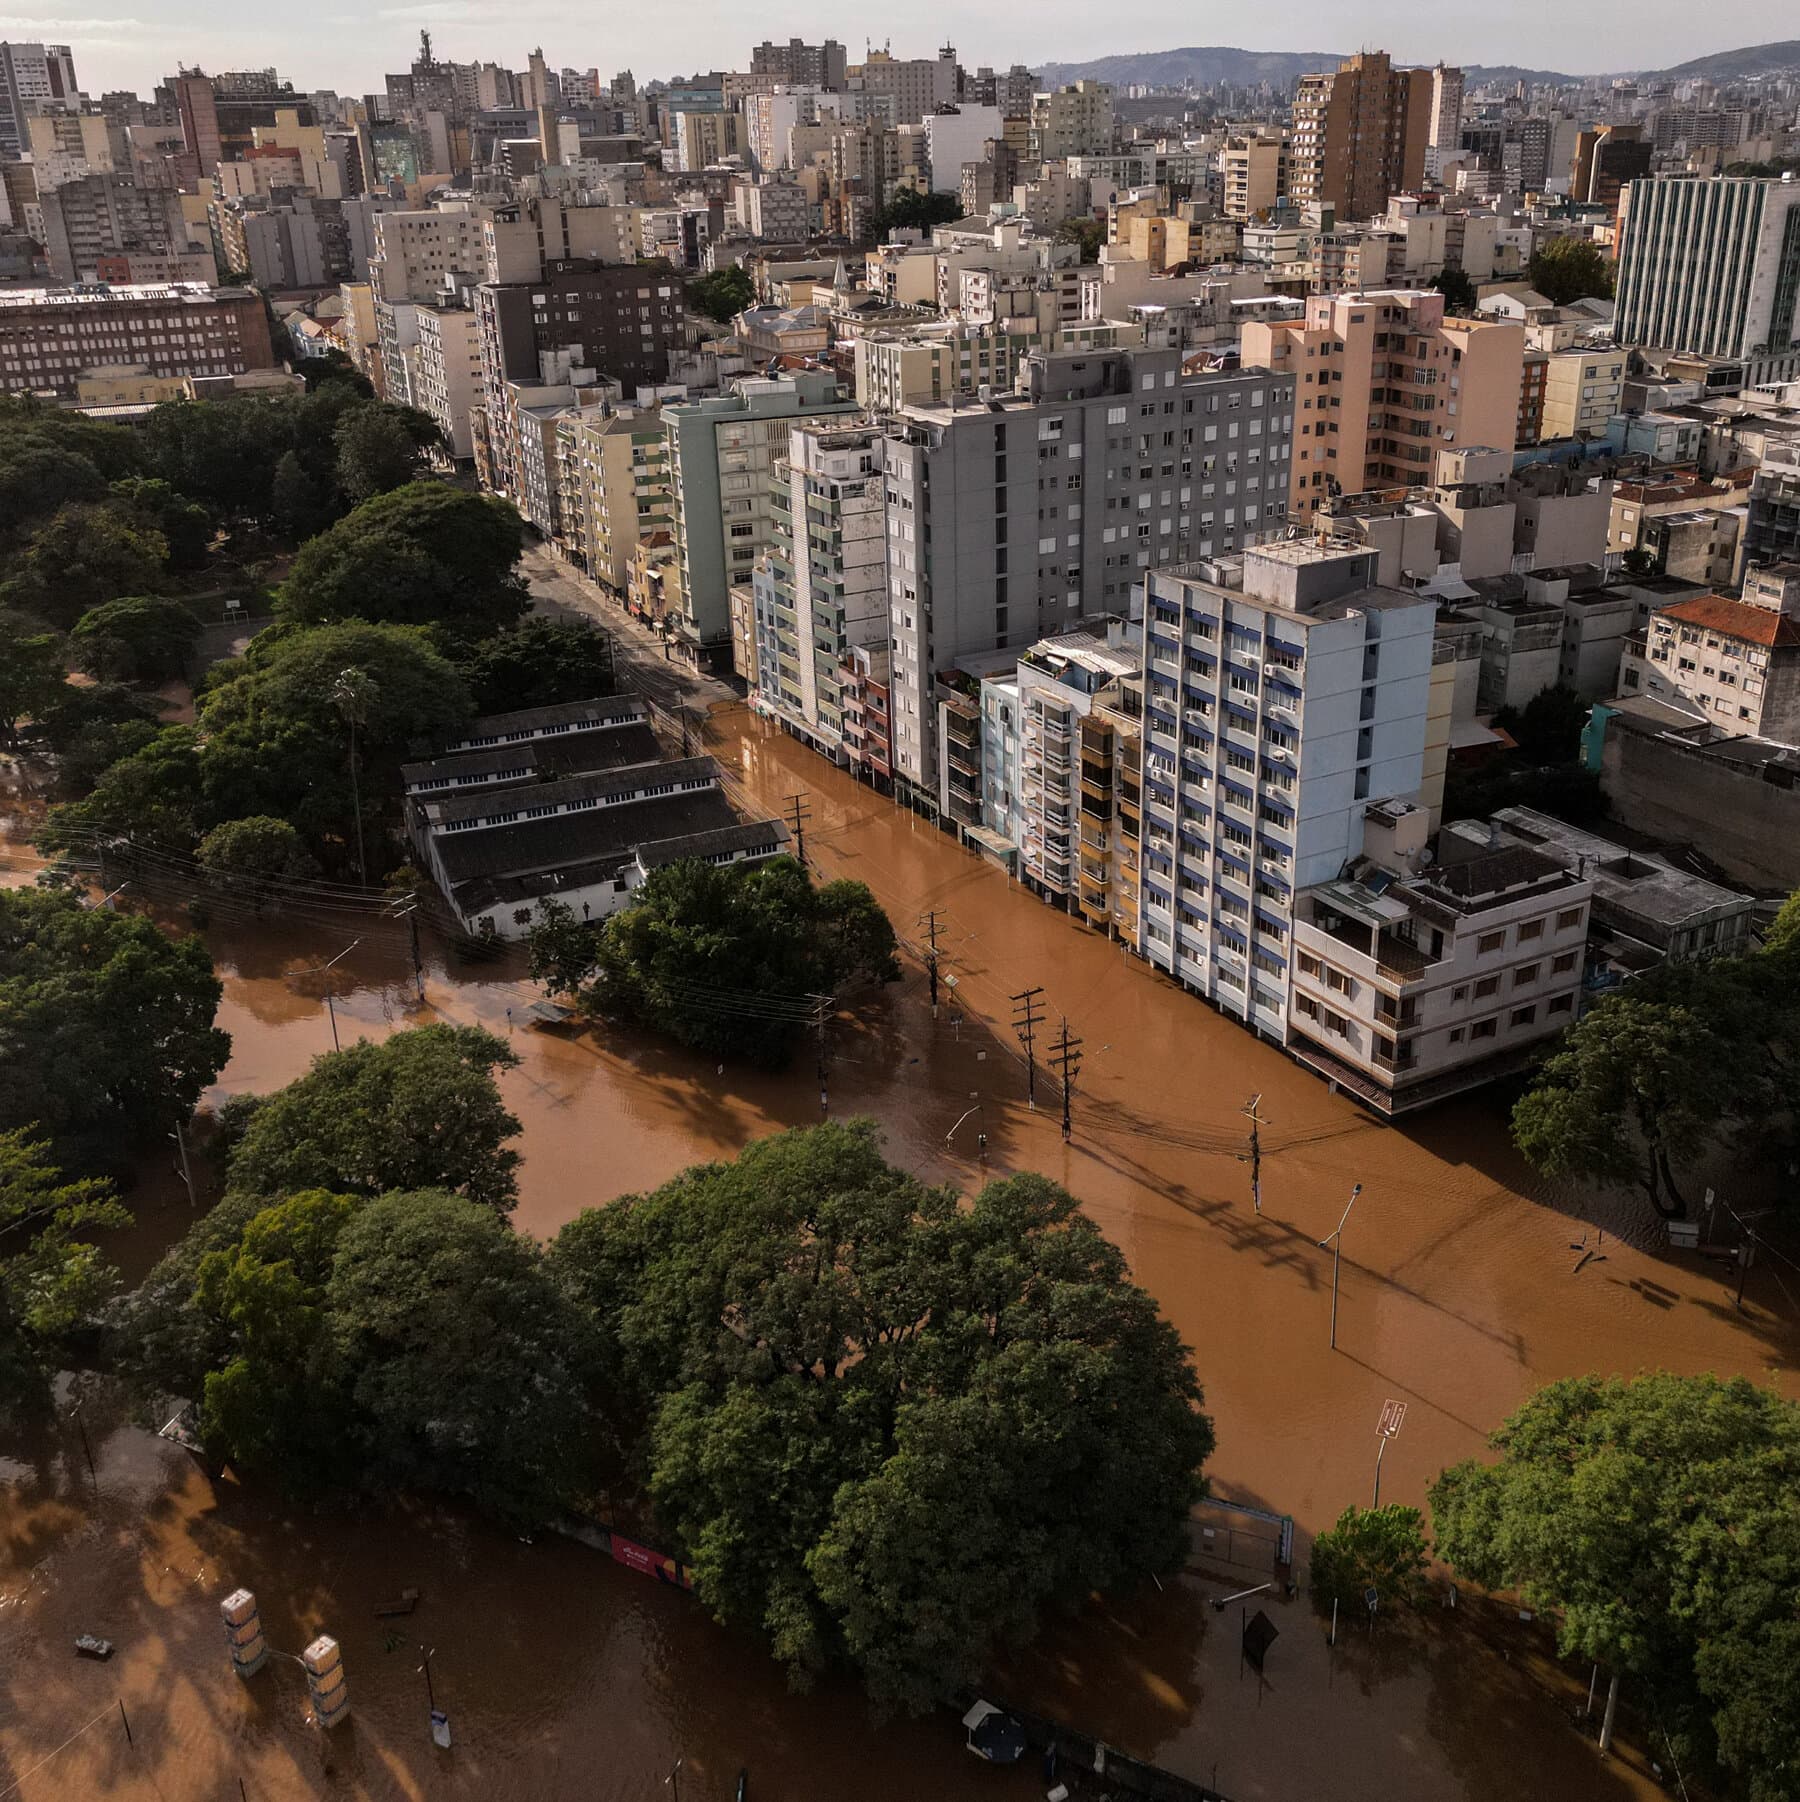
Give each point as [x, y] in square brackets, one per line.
[1283, 698]
[33, 78]
[1012, 517]
[798, 64]
[1445, 130]
[1712, 266]
[1359, 135]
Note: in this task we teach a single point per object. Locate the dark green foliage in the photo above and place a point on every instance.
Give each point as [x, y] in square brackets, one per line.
[254, 853]
[1548, 728]
[724, 958]
[723, 294]
[419, 1110]
[1569, 269]
[53, 1280]
[375, 454]
[1458, 291]
[1370, 1548]
[884, 1428]
[106, 1027]
[538, 663]
[917, 212]
[1658, 1521]
[31, 671]
[84, 554]
[426, 554]
[1090, 234]
[186, 526]
[1568, 791]
[139, 638]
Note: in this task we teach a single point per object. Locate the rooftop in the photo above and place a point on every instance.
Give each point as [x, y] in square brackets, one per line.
[1736, 619]
[100, 293]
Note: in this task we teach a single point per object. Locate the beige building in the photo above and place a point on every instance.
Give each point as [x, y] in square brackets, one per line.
[1583, 388]
[444, 373]
[617, 493]
[1076, 120]
[1359, 135]
[1383, 382]
[1254, 169]
[414, 251]
[700, 140]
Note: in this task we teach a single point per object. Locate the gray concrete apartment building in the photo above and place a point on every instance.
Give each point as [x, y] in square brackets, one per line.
[1013, 515]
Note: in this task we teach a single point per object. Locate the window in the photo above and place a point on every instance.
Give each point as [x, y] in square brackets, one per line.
[1529, 930]
[1525, 973]
[1456, 1035]
[1488, 985]
[1564, 963]
[1489, 941]
[1484, 1029]
[1460, 992]
[1568, 918]
[1523, 1016]
[1562, 1004]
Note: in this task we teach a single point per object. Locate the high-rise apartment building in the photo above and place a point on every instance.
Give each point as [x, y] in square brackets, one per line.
[1444, 134]
[617, 488]
[1011, 518]
[1076, 120]
[722, 455]
[1253, 172]
[33, 78]
[1384, 381]
[916, 85]
[1284, 696]
[820, 589]
[1359, 135]
[108, 215]
[1712, 267]
[1606, 161]
[800, 64]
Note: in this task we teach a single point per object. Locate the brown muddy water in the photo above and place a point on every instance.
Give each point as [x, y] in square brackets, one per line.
[568, 1676]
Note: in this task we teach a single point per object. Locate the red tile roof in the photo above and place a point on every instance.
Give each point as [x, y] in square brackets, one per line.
[1735, 619]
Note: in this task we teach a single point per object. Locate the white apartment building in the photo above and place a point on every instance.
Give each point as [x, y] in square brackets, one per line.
[1076, 120]
[1285, 694]
[954, 136]
[33, 78]
[1416, 980]
[444, 373]
[820, 590]
[415, 250]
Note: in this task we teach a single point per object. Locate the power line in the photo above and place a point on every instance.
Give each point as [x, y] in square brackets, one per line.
[931, 957]
[1028, 1016]
[799, 811]
[1067, 1058]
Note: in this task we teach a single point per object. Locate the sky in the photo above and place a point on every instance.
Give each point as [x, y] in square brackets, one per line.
[133, 43]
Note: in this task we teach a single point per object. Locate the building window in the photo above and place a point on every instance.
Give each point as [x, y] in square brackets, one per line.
[1489, 941]
[1530, 929]
[1564, 963]
[1488, 985]
[1523, 1016]
[1569, 917]
[1525, 973]
[1484, 1029]
[1561, 1004]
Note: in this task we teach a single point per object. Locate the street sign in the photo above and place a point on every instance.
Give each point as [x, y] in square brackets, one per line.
[1392, 1413]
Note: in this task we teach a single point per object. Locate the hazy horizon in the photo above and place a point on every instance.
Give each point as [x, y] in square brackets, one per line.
[136, 49]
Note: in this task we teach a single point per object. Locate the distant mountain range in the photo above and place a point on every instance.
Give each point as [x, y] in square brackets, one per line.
[1216, 65]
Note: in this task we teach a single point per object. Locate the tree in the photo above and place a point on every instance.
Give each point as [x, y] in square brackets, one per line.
[31, 671]
[723, 294]
[140, 638]
[106, 1027]
[1548, 728]
[1658, 1520]
[299, 505]
[1643, 1078]
[538, 663]
[420, 1110]
[425, 554]
[460, 1357]
[562, 948]
[84, 555]
[729, 959]
[52, 1279]
[910, 210]
[1382, 1549]
[152, 795]
[255, 853]
[1090, 234]
[885, 1428]
[186, 526]
[375, 454]
[1568, 269]
[1458, 291]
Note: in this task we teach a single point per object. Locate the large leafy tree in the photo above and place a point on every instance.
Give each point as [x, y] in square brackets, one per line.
[885, 1428]
[1658, 1520]
[418, 1110]
[31, 671]
[426, 554]
[722, 294]
[53, 1279]
[106, 1026]
[725, 958]
[84, 554]
[1568, 269]
[538, 663]
[255, 854]
[375, 453]
[139, 638]
[1382, 1549]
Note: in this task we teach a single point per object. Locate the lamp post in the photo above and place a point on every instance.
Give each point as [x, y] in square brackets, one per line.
[325, 970]
[1335, 1239]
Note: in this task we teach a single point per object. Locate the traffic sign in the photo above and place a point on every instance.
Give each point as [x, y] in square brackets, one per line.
[1392, 1413]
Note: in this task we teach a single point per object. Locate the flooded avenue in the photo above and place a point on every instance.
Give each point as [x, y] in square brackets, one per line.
[568, 1676]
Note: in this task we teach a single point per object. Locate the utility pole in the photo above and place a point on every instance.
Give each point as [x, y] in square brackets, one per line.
[187, 1174]
[1255, 1156]
[1746, 1257]
[822, 1007]
[931, 957]
[1335, 1239]
[799, 811]
[406, 907]
[1027, 1017]
[1068, 1061]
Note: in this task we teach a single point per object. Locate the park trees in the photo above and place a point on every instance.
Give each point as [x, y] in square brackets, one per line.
[82, 555]
[423, 555]
[538, 663]
[722, 294]
[885, 1429]
[1658, 1519]
[106, 1026]
[53, 1279]
[254, 852]
[419, 1110]
[1379, 1549]
[726, 959]
[31, 671]
[138, 638]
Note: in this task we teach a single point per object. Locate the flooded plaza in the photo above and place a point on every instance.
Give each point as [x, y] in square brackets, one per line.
[568, 1676]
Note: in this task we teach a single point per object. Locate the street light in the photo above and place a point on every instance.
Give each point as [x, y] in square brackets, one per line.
[1335, 1239]
[106, 901]
[325, 969]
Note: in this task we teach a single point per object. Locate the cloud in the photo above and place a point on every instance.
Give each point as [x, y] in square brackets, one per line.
[55, 28]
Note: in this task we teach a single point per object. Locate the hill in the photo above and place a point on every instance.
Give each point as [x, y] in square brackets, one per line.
[1739, 65]
[1215, 65]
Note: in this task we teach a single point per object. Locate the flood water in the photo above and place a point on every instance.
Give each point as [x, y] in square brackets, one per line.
[567, 1676]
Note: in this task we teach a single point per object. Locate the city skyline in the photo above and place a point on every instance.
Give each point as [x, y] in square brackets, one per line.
[136, 48]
